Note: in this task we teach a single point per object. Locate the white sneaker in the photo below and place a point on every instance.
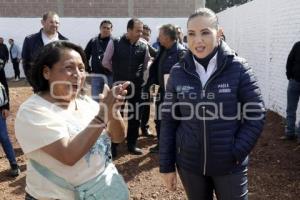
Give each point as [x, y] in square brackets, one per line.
[17, 79]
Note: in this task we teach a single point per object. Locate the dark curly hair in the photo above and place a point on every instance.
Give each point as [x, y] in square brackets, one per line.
[49, 56]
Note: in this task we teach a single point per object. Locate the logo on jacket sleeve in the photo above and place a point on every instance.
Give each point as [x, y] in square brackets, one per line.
[184, 88]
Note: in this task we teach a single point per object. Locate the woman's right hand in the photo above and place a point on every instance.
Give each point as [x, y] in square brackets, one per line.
[170, 180]
[111, 100]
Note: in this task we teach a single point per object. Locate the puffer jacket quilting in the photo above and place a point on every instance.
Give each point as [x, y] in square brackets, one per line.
[216, 138]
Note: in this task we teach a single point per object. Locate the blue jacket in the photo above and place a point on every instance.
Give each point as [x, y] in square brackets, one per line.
[216, 137]
[158, 70]
[31, 47]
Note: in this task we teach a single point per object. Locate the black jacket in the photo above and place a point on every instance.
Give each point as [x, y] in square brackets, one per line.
[293, 63]
[4, 82]
[95, 49]
[4, 52]
[128, 60]
[31, 47]
[172, 56]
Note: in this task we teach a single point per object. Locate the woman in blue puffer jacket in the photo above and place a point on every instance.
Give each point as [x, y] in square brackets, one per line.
[213, 115]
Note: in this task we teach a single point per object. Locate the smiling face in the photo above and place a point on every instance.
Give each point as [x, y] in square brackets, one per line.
[51, 24]
[66, 77]
[202, 36]
[105, 30]
[136, 32]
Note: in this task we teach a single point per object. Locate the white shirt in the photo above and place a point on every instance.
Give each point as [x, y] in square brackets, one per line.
[40, 123]
[211, 68]
[47, 40]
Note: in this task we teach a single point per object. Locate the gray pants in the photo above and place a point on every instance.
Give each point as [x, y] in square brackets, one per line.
[228, 187]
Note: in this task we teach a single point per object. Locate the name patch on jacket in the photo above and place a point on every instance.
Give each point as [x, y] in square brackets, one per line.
[224, 88]
[184, 88]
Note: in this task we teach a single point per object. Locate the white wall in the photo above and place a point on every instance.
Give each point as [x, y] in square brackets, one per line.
[78, 30]
[263, 32]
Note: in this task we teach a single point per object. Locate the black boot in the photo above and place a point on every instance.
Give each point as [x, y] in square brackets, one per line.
[14, 170]
[134, 150]
[154, 149]
[114, 152]
[146, 132]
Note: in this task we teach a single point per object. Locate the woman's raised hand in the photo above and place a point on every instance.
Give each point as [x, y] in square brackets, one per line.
[111, 100]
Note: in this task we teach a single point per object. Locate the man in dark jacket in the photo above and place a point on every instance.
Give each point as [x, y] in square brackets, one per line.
[15, 57]
[293, 93]
[3, 53]
[95, 50]
[33, 43]
[146, 99]
[4, 138]
[170, 53]
[128, 58]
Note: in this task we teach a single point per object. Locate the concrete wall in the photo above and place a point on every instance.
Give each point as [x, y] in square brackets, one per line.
[263, 32]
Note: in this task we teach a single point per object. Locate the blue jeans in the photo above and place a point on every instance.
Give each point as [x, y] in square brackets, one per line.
[293, 93]
[5, 142]
[98, 81]
[227, 187]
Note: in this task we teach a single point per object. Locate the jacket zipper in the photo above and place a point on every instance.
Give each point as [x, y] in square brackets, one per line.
[130, 61]
[180, 144]
[203, 107]
[204, 141]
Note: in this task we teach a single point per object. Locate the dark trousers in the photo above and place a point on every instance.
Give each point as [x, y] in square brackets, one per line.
[228, 187]
[16, 63]
[29, 197]
[145, 108]
[133, 102]
[293, 94]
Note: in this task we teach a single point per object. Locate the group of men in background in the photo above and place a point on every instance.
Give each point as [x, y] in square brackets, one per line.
[128, 58]
[132, 58]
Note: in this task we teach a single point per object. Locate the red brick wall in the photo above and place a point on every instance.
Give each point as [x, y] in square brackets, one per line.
[25, 8]
[97, 8]
[163, 8]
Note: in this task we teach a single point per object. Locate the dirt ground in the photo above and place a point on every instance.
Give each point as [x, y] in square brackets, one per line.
[274, 171]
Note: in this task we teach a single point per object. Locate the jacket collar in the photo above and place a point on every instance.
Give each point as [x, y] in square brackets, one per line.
[60, 36]
[223, 53]
[124, 37]
[174, 47]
